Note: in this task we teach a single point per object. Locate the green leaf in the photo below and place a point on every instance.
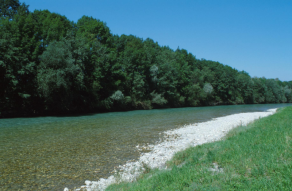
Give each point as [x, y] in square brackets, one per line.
[25, 96]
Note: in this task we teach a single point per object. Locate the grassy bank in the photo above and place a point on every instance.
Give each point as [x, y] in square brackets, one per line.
[253, 157]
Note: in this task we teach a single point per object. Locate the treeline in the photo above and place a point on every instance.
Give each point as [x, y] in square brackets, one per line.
[50, 65]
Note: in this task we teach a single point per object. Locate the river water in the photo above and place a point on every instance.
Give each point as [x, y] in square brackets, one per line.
[50, 153]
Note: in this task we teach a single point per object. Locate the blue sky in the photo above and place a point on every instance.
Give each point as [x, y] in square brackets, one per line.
[250, 35]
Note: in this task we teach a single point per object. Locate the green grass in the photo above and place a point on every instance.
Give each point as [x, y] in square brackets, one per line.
[253, 157]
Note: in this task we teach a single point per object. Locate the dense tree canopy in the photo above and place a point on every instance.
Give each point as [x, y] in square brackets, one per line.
[9, 8]
[50, 65]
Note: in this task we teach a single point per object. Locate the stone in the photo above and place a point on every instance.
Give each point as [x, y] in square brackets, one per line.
[88, 182]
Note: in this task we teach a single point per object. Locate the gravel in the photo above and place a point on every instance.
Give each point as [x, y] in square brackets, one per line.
[175, 140]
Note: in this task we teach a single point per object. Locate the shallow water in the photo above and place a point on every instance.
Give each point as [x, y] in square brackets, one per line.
[50, 153]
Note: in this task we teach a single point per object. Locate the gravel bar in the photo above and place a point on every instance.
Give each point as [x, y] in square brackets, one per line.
[175, 140]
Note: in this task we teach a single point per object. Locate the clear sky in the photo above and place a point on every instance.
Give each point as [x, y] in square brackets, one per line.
[250, 35]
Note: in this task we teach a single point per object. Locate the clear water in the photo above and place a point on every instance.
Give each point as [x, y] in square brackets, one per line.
[50, 153]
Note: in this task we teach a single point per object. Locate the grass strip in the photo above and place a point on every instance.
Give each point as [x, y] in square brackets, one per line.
[253, 157]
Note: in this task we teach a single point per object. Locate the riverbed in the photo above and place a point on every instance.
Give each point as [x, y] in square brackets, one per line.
[50, 153]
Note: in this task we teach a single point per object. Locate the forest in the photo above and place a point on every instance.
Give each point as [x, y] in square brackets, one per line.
[50, 65]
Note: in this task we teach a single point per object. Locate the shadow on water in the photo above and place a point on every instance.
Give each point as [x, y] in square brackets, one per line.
[50, 153]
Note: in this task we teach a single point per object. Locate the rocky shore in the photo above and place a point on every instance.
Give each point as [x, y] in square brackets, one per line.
[175, 140]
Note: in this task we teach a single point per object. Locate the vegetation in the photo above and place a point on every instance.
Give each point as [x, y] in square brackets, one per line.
[50, 65]
[253, 157]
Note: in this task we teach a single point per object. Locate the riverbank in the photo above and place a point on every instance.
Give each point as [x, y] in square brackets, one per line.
[175, 141]
[253, 157]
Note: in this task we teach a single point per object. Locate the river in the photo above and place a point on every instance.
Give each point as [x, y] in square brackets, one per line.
[50, 153]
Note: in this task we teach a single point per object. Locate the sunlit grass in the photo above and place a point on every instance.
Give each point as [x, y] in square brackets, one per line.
[253, 157]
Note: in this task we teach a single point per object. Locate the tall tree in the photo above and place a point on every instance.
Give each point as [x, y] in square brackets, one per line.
[60, 77]
[8, 8]
[17, 65]
[244, 87]
[94, 30]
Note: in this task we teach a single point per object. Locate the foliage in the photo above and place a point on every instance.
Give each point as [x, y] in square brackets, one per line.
[9, 8]
[59, 75]
[49, 64]
[157, 99]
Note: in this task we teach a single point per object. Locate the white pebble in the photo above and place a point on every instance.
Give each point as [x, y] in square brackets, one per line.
[178, 139]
